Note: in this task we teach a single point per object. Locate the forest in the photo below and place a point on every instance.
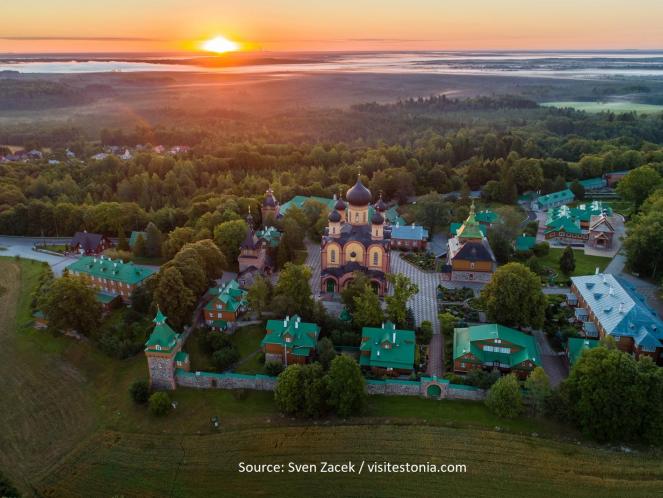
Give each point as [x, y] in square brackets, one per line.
[502, 145]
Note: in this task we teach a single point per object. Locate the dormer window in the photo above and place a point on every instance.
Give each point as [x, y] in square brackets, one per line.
[158, 348]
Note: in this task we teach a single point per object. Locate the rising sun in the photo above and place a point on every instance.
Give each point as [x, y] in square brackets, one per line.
[220, 45]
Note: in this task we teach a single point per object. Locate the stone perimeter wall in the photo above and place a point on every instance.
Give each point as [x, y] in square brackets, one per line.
[209, 380]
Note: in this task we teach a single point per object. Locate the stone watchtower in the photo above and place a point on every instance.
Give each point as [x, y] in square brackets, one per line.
[160, 350]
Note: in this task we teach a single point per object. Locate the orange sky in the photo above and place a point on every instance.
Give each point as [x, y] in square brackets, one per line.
[166, 25]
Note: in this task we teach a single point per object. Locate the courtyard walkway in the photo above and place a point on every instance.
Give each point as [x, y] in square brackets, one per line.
[424, 305]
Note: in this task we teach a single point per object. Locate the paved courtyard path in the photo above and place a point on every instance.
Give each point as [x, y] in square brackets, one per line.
[313, 262]
[424, 305]
[552, 363]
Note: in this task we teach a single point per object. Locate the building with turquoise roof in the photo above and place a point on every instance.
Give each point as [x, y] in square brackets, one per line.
[591, 183]
[493, 346]
[525, 243]
[576, 345]
[409, 237]
[553, 200]
[386, 350]
[112, 278]
[290, 340]
[391, 215]
[587, 222]
[225, 304]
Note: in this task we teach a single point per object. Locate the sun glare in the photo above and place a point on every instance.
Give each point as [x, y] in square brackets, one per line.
[220, 45]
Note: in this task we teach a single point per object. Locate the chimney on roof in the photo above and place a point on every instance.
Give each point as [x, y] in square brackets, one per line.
[382, 324]
[621, 307]
[393, 337]
[596, 272]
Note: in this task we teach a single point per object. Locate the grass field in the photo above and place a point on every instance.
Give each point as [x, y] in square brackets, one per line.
[69, 429]
[247, 340]
[607, 106]
[585, 265]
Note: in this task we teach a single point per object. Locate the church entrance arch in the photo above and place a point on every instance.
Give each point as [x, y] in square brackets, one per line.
[331, 286]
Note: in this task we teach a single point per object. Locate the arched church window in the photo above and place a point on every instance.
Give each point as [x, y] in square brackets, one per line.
[333, 256]
[356, 216]
[375, 258]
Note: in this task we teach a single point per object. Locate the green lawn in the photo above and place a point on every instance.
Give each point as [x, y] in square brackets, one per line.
[585, 265]
[69, 429]
[247, 340]
[61, 248]
[607, 106]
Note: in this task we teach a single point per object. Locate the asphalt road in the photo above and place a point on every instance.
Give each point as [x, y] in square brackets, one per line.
[23, 247]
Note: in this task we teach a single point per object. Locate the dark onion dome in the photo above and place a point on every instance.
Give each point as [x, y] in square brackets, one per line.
[340, 205]
[269, 200]
[377, 218]
[334, 216]
[358, 195]
[380, 205]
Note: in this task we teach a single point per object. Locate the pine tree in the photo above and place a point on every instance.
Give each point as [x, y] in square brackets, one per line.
[152, 241]
[567, 262]
[139, 246]
[122, 243]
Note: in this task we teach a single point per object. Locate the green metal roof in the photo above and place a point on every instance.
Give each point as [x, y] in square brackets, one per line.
[488, 216]
[389, 347]
[111, 269]
[39, 314]
[468, 339]
[300, 200]
[230, 294]
[564, 224]
[299, 337]
[590, 183]
[556, 197]
[105, 298]
[162, 338]
[581, 212]
[134, 237]
[271, 235]
[577, 345]
[391, 214]
[219, 324]
[453, 228]
[525, 243]
[181, 356]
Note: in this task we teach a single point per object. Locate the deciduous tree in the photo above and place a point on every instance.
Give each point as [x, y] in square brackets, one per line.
[173, 297]
[403, 289]
[514, 297]
[71, 305]
[347, 387]
[367, 310]
[504, 398]
[229, 236]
